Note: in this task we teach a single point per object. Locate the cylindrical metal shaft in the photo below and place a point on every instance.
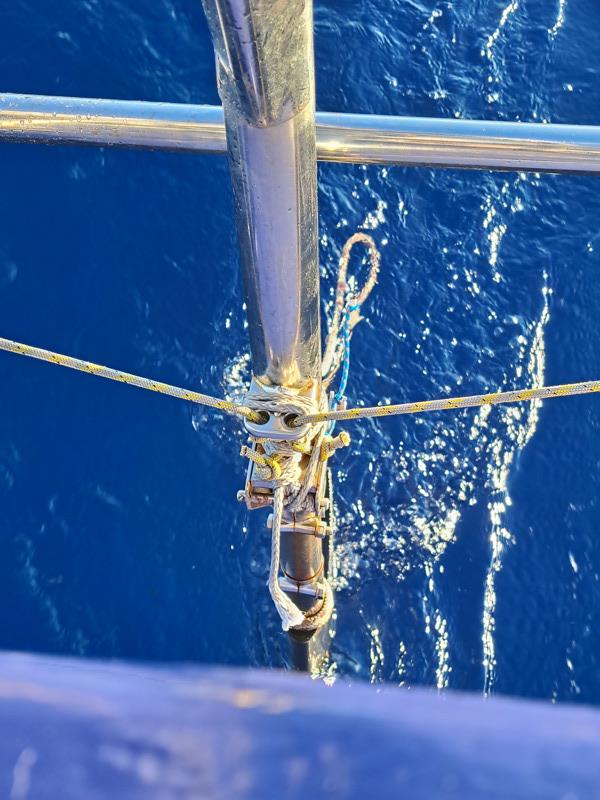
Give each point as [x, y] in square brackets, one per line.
[344, 138]
[266, 82]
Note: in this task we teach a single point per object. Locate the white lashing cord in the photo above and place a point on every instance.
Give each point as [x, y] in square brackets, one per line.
[290, 614]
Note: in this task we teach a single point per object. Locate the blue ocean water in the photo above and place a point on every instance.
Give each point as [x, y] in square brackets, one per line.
[468, 548]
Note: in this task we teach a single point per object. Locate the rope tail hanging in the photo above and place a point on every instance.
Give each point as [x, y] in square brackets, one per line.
[291, 616]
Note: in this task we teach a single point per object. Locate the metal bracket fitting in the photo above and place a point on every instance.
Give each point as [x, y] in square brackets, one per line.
[308, 525]
[315, 590]
[258, 491]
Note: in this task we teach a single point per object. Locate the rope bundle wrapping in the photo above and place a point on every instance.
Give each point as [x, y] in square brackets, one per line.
[292, 483]
[295, 480]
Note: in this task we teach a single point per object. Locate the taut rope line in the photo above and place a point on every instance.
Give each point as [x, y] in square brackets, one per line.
[452, 403]
[126, 377]
[441, 404]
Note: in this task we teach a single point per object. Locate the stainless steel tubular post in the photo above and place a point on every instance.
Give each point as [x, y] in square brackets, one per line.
[265, 74]
[266, 81]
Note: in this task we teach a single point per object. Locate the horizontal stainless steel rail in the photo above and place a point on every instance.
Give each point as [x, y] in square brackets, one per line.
[347, 138]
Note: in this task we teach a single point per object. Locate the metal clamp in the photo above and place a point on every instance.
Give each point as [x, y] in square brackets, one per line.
[258, 491]
[308, 525]
[311, 589]
[276, 425]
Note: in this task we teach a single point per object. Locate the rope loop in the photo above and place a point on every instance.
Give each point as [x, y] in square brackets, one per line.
[348, 304]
